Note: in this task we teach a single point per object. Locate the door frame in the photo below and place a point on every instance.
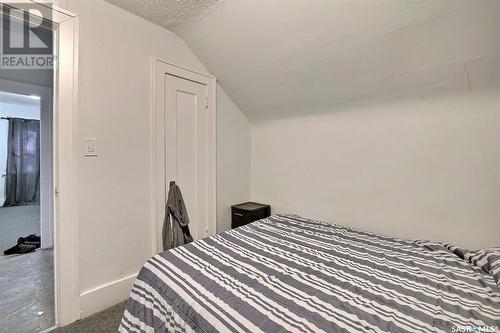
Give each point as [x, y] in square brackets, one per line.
[160, 69]
[65, 161]
[66, 166]
[65, 158]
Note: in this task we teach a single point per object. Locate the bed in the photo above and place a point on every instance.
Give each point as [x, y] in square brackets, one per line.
[286, 273]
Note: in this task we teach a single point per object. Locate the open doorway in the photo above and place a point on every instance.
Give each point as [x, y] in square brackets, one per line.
[27, 277]
[26, 214]
[35, 19]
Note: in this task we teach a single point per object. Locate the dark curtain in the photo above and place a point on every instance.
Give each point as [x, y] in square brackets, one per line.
[23, 163]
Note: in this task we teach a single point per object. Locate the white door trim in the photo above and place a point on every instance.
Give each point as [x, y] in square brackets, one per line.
[158, 181]
[68, 300]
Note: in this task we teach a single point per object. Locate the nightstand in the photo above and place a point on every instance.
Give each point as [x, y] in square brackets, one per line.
[248, 212]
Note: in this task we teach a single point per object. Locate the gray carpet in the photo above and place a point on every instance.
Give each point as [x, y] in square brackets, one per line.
[17, 222]
[106, 321]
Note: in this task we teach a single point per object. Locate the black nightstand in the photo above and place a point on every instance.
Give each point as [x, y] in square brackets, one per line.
[248, 212]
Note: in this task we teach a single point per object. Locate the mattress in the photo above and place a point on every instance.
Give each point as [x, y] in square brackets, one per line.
[290, 274]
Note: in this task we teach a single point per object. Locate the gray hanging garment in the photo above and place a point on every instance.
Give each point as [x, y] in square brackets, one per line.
[176, 231]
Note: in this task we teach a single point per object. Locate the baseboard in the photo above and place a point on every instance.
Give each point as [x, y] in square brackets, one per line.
[102, 297]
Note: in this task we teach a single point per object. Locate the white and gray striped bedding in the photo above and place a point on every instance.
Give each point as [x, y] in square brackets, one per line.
[487, 259]
[290, 274]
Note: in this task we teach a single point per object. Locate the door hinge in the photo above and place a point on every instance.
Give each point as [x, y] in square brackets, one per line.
[206, 103]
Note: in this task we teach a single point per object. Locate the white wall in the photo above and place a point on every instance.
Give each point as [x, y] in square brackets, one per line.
[114, 190]
[233, 158]
[423, 164]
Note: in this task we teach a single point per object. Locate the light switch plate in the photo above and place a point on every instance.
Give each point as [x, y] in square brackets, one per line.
[90, 147]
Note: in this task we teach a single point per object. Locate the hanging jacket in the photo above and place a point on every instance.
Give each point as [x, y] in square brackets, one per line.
[176, 231]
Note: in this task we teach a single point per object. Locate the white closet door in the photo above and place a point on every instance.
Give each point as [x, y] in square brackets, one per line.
[187, 148]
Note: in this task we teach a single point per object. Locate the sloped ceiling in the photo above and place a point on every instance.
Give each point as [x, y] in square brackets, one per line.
[278, 58]
[174, 15]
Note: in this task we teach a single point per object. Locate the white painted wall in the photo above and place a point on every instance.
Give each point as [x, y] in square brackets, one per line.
[114, 189]
[422, 164]
[233, 158]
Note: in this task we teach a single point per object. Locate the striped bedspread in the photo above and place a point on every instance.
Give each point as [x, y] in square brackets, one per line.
[290, 274]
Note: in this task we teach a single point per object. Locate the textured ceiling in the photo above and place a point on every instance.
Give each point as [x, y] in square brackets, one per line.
[174, 15]
[280, 58]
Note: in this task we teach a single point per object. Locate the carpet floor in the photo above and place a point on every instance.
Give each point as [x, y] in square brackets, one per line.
[106, 321]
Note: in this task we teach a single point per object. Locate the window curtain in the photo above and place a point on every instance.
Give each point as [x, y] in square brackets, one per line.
[23, 163]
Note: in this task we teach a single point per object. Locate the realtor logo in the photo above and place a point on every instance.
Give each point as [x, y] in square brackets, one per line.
[27, 37]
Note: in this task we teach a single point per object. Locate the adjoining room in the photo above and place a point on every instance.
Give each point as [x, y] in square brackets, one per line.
[27, 275]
